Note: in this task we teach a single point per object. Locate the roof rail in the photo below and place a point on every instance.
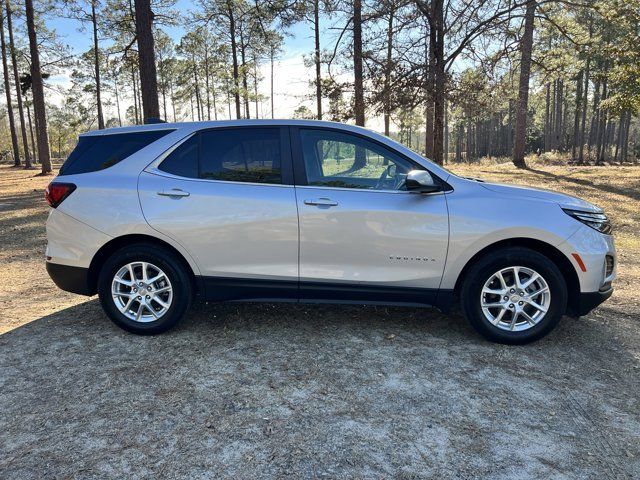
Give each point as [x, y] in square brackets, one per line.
[151, 121]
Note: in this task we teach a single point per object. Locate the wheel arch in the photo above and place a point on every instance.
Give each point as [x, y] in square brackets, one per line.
[117, 243]
[552, 253]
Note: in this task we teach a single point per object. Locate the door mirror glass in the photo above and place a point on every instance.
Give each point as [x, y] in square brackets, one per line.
[421, 181]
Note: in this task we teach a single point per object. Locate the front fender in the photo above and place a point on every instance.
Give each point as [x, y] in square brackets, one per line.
[478, 221]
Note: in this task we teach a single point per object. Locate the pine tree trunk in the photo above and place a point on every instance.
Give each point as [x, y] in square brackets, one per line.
[34, 145]
[595, 119]
[272, 62]
[446, 134]
[509, 139]
[611, 132]
[7, 91]
[430, 106]
[576, 117]
[316, 59]
[440, 78]
[134, 83]
[625, 139]
[172, 97]
[196, 83]
[16, 78]
[234, 57]
[558, 117]
[255, 84]
[96, 60]
[147, 60]
[115, 88]
[469, 141]
[358, 97]
[38, 92]
[459, 134]
[245, 85]
[600, 139]
[206, 79]
[213, 99]
[619, 138]
[139, 90]
[386, 94]
[228, 89]
[564, 140]
[583, 121]
[163, 90]
[547, 119]
[523, 87]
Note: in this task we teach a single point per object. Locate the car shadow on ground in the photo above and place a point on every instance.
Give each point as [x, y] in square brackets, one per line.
[243, 390]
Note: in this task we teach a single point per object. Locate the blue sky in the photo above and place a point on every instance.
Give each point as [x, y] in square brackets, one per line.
[291, 79]
[302, 39]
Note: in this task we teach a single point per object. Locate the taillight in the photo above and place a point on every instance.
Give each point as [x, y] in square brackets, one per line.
[56, 192]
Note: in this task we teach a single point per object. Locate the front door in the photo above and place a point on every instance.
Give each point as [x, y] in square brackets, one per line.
[362, 235]
[226, 195]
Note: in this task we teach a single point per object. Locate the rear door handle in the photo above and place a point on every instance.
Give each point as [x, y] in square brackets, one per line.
[174, 193]
[321, 202]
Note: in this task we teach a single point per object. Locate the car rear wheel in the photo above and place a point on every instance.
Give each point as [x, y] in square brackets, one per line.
[144, 289]
[514, 296]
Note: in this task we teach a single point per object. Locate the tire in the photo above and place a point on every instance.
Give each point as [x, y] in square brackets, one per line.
[166, 299]
[522, 319]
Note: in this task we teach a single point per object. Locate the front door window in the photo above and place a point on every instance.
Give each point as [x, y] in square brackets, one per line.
[335, 159]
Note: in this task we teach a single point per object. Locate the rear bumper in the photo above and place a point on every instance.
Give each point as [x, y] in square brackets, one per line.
[590, 300]
[70, 279]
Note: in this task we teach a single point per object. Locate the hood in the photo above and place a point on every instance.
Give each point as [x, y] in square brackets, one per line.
[565, 201]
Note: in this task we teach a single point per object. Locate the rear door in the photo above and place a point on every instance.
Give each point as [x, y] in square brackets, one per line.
[226, 195]
[362, 235]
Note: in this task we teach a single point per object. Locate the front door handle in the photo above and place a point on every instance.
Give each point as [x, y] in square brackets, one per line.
[321, 202]
[174, 193]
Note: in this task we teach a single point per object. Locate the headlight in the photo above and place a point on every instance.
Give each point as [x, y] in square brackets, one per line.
[597, 221]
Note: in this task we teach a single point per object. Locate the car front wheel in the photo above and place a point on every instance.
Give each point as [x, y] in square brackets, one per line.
[144, 289]
[514, 296]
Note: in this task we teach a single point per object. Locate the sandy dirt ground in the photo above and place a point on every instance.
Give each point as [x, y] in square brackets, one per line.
[300, 391]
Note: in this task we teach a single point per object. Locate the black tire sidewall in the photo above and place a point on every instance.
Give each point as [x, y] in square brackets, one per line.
[166, 261]
[514, 256]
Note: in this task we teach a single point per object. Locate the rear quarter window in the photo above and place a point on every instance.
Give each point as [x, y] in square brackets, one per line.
[98, 152]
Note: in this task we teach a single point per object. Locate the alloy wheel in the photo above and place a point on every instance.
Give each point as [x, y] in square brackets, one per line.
[141, 291]
[515, 298]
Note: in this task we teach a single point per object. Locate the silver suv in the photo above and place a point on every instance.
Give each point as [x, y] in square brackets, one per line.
[149, 216]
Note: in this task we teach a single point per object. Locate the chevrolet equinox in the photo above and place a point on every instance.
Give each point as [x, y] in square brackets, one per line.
[149, 216]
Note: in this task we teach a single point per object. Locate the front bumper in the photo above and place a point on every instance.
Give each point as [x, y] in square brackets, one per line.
[70, 279]
[590, 300]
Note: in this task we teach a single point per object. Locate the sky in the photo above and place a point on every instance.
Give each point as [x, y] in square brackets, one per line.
[291, 77]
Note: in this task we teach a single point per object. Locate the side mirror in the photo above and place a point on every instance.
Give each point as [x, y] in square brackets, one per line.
[421, 181]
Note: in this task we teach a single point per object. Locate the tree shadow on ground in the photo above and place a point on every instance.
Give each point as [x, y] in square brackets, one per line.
[246, 390]
[632, 192]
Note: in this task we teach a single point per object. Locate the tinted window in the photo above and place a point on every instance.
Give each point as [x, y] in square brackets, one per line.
[336, 159]
[183, 161]
[102, 151]
[241, 155]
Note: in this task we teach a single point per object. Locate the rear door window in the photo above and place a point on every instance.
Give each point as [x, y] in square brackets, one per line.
[183, 161]
[252, 155]
[97, 152]
[242, 155]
